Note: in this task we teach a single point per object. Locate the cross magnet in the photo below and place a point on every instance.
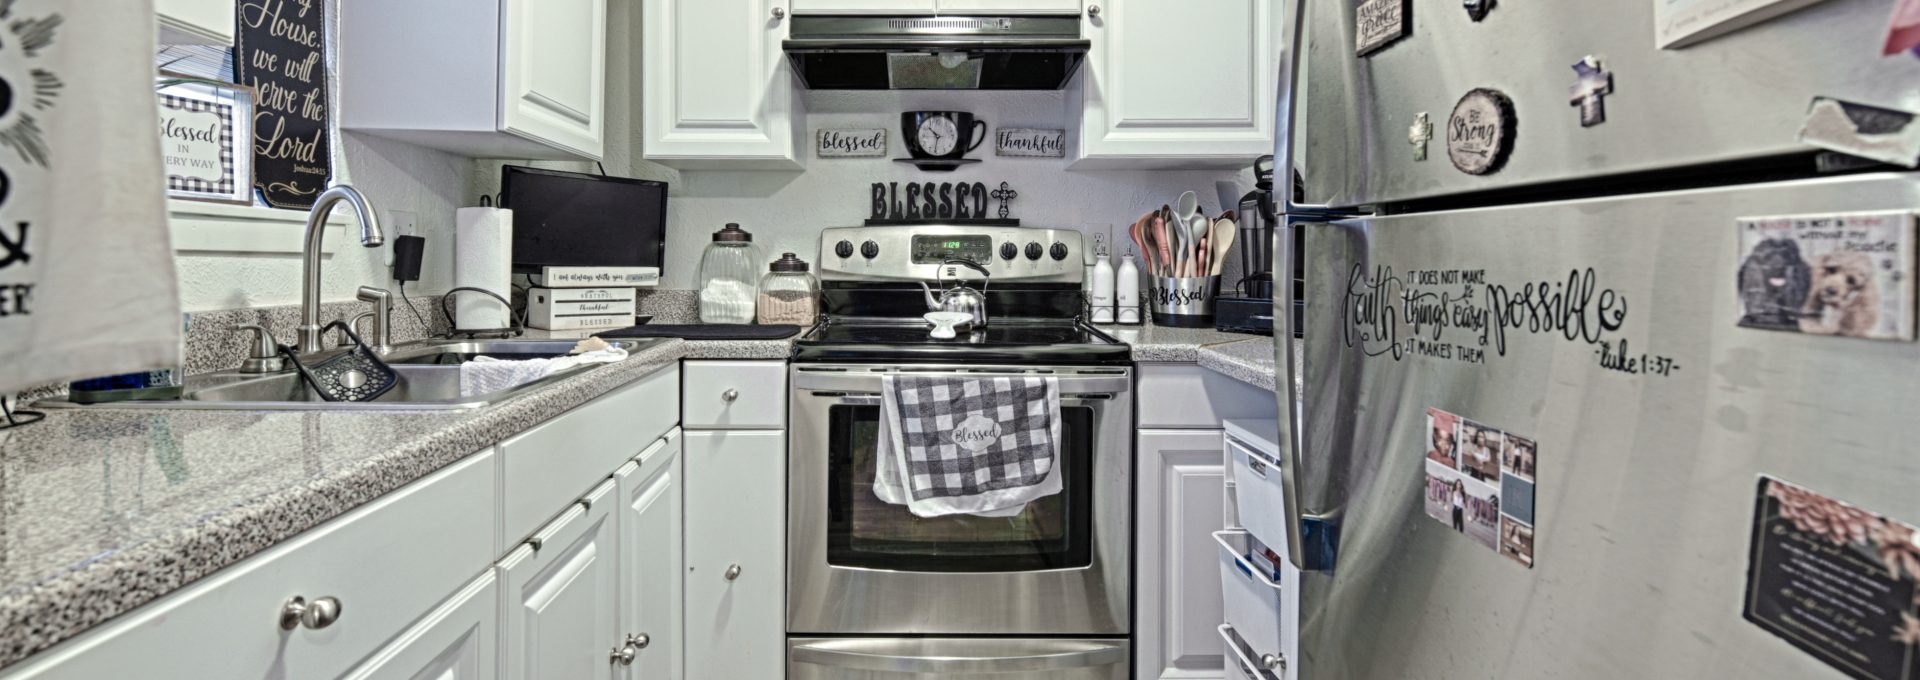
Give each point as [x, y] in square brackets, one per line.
[1589, 91]
[1419, 135]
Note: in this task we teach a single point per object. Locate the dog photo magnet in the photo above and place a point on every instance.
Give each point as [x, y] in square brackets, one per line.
[1848, 274]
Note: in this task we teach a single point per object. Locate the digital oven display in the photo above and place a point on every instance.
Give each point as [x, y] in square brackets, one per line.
[937, 249]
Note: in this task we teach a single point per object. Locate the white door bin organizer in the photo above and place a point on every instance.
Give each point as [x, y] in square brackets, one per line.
[1258, 608]
[1259, 494]
[1239, 665]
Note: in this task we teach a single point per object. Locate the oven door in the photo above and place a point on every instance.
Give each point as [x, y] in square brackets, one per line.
[858, 565]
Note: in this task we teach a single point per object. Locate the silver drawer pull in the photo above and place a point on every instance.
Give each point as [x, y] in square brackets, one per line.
[1274, 662]
[733, 572]
[315, 615]
[625, 653]
[729, 395]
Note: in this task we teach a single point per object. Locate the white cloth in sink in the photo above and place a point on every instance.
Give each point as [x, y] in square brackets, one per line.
[486, 375]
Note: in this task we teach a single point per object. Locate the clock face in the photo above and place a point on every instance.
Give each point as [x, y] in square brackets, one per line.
[938, 136]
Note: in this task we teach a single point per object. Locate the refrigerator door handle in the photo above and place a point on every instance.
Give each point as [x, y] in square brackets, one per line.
[1311, 537]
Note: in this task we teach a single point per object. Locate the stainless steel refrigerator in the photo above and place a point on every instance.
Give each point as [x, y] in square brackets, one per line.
[1564, 416]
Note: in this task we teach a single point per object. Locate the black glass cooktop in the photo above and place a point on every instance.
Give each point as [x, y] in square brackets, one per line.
[1014, 341]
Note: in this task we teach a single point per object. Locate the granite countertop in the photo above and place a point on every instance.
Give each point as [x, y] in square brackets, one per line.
[1243, 357]
[103, 510]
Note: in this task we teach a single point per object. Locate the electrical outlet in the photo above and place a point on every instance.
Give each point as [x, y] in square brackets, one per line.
[399, 223]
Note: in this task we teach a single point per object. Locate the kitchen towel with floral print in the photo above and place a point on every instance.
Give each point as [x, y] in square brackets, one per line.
[976, 446]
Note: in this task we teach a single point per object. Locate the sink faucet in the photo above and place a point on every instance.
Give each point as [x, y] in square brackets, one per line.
[370, 236]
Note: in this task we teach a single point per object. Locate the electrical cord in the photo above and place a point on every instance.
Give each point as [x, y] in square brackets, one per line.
[512, 329]
[425, 328]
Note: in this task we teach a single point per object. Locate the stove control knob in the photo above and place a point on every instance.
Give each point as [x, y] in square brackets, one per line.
[843, 248]
[1008, 250]
[1058, 251]
[1033, 250]
[870, 250]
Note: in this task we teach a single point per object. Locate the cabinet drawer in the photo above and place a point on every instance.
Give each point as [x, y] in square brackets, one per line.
[549, 466]
[387, 563]
[735, 395]
[1188, 396]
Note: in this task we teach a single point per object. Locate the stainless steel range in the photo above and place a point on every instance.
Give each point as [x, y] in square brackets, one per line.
[875, 592]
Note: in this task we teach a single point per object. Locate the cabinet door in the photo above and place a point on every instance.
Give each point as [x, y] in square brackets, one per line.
[560, 596]
[195, 22]
[455, 642]
[736, 562]
[553, 76]
[1180, 494]
[1003, 7]
[863, 6]
[1179, 80]
[650, 560]
[717, 87]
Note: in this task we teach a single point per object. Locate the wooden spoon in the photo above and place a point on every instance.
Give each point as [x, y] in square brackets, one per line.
[1222, 241]
[1160, 241]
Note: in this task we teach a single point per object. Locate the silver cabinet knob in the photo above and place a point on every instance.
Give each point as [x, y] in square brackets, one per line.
[625, 653]
[729, 396]
[779, 13]
[315, 615]
[1273, 662]
[733, 572]
[1093, 10]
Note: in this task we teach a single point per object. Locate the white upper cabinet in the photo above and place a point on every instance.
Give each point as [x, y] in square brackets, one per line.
[935, 6]
[489, 79]
[554, 72]
[718, 91]
[195, 22]
[1177, 82]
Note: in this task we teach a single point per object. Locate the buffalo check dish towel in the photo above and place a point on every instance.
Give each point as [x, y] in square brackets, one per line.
[974, 446]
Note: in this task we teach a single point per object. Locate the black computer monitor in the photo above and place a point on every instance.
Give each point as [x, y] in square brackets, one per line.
[570, 219]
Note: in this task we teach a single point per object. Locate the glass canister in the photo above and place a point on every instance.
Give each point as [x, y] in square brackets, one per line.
[789, 293]
[729, 277]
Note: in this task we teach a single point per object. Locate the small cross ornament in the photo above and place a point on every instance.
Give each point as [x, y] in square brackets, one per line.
[1589, 91]
[1004, 194]
[1419, 135]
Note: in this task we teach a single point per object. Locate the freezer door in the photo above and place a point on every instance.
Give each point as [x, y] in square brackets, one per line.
[1644, 482]
[1740, 96]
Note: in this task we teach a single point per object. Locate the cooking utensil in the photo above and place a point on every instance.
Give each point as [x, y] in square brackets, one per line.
[1222, 241]
[1161, 242]
[1189, 211]
[1139, 233]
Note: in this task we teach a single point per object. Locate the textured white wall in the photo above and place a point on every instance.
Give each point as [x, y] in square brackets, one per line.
[394, 176]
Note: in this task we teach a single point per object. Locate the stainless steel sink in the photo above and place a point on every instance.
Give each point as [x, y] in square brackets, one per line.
[429, 379]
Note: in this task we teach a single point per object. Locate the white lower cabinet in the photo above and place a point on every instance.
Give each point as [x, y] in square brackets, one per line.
[651, 560]
[736, 554]
[380, 567]
[1180, 499]
[458, 641]
[560, 592]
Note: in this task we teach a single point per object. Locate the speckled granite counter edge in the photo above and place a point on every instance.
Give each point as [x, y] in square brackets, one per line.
[67, 604]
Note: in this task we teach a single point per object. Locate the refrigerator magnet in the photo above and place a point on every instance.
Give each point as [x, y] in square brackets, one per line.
[1835, 580]
[1590, 90]
[1477, 9]
[1871, 132]
[1480, 483]
[1377, 23]
[1848, 275]
[1480, 132]
[1419, 134]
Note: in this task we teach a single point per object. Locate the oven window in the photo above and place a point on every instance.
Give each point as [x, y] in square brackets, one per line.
[862, 531]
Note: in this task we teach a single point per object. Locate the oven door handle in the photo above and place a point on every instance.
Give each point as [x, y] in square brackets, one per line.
[1065, 655]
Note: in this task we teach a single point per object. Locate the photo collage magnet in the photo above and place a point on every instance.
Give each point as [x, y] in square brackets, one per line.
[1480, 482]
[1848, 275]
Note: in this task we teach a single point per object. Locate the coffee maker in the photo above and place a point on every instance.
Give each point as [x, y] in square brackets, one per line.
[1250, 308]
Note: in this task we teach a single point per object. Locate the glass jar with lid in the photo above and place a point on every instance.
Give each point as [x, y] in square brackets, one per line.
[729, 277]
[789, 293]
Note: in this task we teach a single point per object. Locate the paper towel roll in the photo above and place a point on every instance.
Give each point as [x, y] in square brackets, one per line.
[483, 258]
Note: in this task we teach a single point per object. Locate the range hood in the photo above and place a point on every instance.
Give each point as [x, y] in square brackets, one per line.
[935, 53]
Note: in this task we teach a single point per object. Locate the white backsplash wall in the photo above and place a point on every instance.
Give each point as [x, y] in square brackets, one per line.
[785, 210]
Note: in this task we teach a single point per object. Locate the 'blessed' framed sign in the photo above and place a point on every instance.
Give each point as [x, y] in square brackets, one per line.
[205, 129]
